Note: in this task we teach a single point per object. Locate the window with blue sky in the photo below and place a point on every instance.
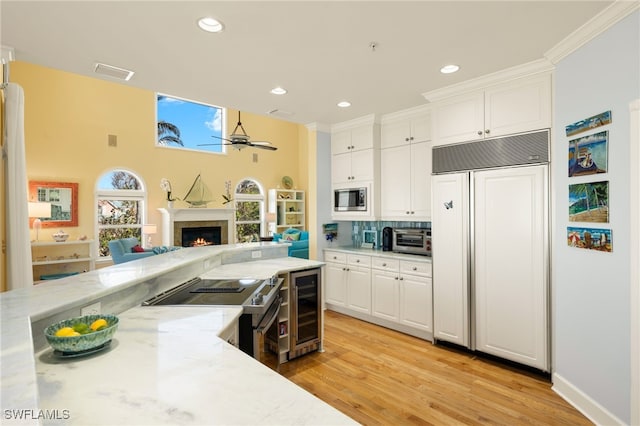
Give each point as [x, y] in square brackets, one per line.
[189, 125]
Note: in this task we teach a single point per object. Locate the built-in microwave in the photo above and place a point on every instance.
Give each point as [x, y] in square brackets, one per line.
[350, 199]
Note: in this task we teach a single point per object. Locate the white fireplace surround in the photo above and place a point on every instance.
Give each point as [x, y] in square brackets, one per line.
[170, 216]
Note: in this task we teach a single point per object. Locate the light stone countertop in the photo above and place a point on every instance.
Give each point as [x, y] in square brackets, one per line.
[121, 288]
[380, 253]
[166, 366]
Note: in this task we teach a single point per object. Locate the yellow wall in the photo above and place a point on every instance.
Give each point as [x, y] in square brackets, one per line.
[68, 118]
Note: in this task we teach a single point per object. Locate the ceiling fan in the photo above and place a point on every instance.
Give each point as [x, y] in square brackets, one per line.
[241, 140]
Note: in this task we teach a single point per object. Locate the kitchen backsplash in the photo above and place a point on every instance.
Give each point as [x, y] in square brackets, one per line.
[358, 226]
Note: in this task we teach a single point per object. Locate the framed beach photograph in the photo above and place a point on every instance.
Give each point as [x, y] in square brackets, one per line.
[601, 119]
[588, 154]
[590, 239]
[589, 202]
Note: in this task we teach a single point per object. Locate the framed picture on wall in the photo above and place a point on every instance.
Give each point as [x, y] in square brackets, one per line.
[589, 202]
[588, 154]
[590, 238]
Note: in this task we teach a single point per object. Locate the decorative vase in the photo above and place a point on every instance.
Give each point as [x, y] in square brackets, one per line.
[169, 204]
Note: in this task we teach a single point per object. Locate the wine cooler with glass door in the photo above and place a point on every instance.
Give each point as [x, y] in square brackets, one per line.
[306, 318]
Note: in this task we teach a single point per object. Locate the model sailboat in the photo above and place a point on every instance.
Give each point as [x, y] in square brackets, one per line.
[199, 195]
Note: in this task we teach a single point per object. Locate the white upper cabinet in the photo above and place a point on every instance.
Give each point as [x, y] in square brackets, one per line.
[405, 166]
[354, 151]
[406, 127]
[517, 106]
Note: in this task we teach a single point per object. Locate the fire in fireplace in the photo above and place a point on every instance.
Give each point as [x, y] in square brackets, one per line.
[201, 236]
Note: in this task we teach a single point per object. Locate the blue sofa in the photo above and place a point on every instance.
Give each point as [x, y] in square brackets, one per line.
[121, 250]
[299, 244]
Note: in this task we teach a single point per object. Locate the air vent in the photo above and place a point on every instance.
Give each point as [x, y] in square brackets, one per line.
[280, 113]
[517, 150]
[113, 72]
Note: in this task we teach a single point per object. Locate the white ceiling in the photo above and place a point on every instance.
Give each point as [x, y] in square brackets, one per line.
[318, 51]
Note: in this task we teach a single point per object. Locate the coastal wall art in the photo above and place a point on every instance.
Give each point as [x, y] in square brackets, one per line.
[588, 154]
[589, 202]
[590, 238]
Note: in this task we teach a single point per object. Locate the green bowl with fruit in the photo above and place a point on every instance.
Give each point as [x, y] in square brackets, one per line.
[82, 334]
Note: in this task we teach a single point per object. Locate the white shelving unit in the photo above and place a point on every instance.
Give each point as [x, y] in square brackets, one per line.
[50, 257]
[280, 343]
[289, 207]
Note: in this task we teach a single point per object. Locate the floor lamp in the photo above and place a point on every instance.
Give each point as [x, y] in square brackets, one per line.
[149, 230]
[39, 211]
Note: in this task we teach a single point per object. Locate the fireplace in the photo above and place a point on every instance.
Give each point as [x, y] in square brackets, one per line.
[182, 227]
[199, 233]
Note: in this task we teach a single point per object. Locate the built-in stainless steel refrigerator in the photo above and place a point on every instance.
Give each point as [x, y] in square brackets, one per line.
[491, 247]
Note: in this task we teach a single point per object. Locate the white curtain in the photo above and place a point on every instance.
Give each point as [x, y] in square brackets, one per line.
[19, 272]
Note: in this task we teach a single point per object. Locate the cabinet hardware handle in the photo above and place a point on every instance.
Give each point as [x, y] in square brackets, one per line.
[407, 212]
[384, 264]
[406, 139]
[415, 269]
[401, 278]
[396, 278]
[487, 131]
[479, 132]
[411, 138]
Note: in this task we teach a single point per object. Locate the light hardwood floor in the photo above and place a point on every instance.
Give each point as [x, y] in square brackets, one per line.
[381, 377]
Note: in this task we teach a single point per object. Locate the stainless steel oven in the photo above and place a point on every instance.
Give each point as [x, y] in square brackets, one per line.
[259, 298]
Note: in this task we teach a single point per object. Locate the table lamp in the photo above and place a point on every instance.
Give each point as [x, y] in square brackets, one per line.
[149, 230]
[270, 218]
[38, 211]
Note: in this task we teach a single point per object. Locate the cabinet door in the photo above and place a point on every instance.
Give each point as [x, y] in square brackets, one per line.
[518, 107]
[362, 138]
[395, 187]
[362, 165]
[459, 119]
[449, 231]
[421, 128]
[385, 295]
[511, 286]
[341, 142]
[416, 302]
[420, 181]
[359, 289]
[335, 284]
[341, 168]
[395, 134]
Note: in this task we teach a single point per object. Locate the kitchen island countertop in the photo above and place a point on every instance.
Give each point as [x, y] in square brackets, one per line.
[158, 363]
[167, 365]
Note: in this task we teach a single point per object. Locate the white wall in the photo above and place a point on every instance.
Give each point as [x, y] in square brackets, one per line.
[591, 314]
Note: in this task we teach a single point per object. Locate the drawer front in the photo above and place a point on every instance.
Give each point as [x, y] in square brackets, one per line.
[335, 256]
[392, 265]
[415, 268]
[359, 260]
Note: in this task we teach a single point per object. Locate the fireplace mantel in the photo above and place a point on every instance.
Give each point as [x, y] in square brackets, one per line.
[170, 216]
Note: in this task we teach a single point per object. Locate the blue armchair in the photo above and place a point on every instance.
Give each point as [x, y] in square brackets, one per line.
[299, 241]
[122, 250]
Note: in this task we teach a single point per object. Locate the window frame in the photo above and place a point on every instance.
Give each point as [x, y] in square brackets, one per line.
[260, 198]
[139, 195]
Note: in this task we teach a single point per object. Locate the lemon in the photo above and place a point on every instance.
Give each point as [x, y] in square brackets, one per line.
[65, 332]
[98, 324]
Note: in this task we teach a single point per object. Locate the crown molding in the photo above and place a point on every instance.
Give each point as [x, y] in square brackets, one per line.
[406, 113]
[591, 29]
[356, 122]
[318, 127]
[524, 70]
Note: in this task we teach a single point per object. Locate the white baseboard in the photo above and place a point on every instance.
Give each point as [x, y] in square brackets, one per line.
[583, 403]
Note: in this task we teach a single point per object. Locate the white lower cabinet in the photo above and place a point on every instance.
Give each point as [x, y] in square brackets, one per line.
[348, 281]
[388, 291]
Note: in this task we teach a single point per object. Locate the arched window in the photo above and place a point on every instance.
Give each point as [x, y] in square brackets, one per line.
[249, 198]
[120, 208]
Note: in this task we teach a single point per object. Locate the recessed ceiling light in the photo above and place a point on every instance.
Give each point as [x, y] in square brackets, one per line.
[210, 24]
[448, 69]
[278, 91]
[344, 104]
